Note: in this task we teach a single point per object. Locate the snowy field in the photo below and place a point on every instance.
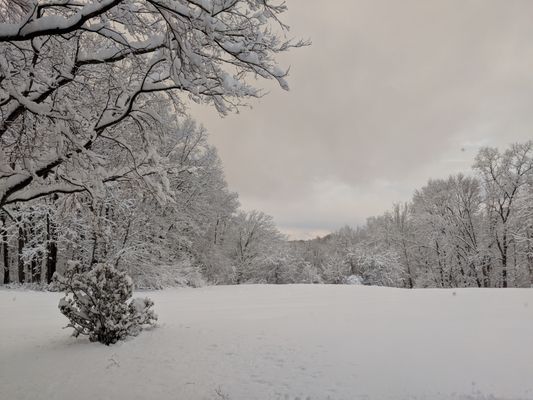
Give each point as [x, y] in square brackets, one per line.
[280, 342]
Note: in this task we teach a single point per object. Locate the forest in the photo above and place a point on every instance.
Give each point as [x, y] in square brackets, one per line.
[468, 230]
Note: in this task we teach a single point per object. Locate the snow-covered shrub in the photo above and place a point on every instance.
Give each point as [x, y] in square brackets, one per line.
[307, 273]
[279, 267]
[97, 303]
[189, 275]
[297, 270]
[161, 276]
[377, 268]
[216, 265]
[334, 269]
[353, 280]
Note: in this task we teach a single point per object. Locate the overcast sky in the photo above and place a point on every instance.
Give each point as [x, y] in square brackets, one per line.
[390, 94]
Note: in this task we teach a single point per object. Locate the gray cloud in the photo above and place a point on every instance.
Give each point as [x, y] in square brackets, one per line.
[388, 95]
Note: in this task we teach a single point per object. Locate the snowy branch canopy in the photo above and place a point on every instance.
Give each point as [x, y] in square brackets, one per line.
[83, 80]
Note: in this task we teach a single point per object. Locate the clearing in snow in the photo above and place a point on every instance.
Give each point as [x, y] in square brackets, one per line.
[280, 342]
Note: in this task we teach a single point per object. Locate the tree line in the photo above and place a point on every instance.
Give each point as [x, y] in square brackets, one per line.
[464, 231]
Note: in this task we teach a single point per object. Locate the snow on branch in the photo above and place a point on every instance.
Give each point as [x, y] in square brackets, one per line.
[73, 71]
[54, 24]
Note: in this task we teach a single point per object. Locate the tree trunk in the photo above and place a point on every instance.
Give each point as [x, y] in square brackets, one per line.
[36, 261]
[5, 251]
[51, 250]
[410, 280]
[504, 260]
[21, 241]
[439, 262]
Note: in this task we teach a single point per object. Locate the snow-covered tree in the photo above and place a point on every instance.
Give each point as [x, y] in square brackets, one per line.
[160, 243]
[81, 80]
[377, 268]
[446, 215]
[254, 238]
[505, 176]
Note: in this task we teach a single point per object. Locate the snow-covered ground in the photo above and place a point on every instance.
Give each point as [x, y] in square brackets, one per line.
[280, 342]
